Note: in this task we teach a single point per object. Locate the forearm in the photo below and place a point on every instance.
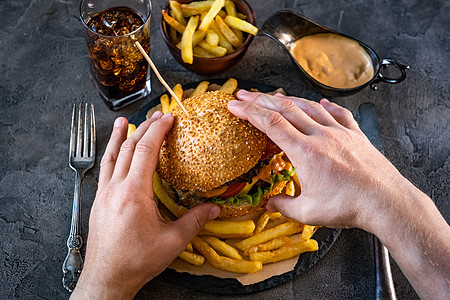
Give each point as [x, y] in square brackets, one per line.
[96, 287]
[99, 293]
[418, 238]
[346, 182]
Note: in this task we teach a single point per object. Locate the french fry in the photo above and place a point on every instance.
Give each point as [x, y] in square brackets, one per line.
[169, 190]
[212, 38]
[230, 8]
[200, 89]
[241, 16]
[178, 90]
[177, 13]
[192, 258]
[202, 6]
[278, 221]
[131, 129]
[189, 10]
[239, 34]
[173, 104]
[189, 247]
[307, 232]
[262, 222]
[227, 32]
[172, 22]
[288, 228]
[285, 252]
[225, 236]
[222, 40]
[230, 227]
[275, 215]
[172, 32]
[166, 214]
[196, 38]
[155, 198]
[202, 16]
[290, 188]
[213, 11]
[225, 263]
[270, 245]
[222, 247]
[167, 219]
[187, 54]
[199, 51]
[241, 25]
[298, 187]
[165, 103]
[222, 14]
[215, 50]
[226, 44]
[168, 202]
[229, 86]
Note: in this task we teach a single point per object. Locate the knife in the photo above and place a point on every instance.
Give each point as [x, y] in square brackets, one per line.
[384, 283]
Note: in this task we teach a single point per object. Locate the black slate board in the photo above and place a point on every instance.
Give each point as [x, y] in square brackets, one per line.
[206, 283]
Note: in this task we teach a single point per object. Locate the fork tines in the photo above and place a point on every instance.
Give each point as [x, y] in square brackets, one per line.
[82, 139]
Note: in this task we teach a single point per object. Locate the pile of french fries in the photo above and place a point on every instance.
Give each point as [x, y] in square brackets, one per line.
[206, 28]
[234, 246]
[240, 246]
[167, 104]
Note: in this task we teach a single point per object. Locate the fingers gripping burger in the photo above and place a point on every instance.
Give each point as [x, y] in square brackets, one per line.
[216, 157]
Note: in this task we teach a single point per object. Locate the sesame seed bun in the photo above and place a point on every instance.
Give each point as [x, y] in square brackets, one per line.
[211, 148]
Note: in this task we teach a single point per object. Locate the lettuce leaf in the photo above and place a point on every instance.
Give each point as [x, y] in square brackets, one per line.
[253, 199]
[286, 176]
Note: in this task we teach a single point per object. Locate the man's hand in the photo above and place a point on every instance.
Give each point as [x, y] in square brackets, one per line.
[129, 243]
[346, 182]
[339, 170]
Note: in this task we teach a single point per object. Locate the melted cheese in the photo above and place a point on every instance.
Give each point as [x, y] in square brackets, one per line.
[276, 165]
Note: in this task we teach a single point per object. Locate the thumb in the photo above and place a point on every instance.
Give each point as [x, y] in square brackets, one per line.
[192, 222]
[288, 206]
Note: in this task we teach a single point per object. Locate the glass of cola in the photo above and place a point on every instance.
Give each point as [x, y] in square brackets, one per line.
[118, 69]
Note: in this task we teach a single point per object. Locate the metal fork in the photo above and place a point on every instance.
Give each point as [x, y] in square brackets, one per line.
[81, 159]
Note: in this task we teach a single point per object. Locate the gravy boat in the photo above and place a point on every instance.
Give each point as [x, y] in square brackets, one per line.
[285, 27]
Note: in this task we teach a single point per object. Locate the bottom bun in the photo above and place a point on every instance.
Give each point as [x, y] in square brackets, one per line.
[228, 211]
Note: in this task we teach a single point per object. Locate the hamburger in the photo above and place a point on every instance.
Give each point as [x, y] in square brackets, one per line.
[216, 157]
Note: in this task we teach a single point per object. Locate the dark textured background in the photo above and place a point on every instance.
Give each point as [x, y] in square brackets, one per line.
[44, 69]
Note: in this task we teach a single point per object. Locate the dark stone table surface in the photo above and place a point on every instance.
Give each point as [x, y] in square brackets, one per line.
[44, 70]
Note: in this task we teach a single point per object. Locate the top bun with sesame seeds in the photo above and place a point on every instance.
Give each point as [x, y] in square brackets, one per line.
[212, 147]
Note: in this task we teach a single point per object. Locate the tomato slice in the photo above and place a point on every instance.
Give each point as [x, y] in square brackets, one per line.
[233, 189]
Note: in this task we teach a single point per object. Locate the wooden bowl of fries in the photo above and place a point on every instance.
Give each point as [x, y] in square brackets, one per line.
[216, 38]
